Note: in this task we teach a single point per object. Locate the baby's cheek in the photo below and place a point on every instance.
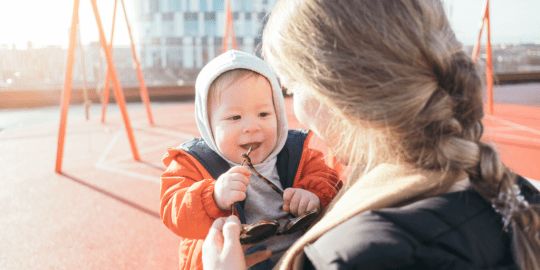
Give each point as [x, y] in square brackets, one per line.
[223, 142]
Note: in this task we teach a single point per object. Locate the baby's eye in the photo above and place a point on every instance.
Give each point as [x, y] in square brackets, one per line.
[236, 117]
[264, 114]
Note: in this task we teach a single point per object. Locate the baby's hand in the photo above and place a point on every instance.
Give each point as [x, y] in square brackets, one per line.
[299, 201]
[231, 187]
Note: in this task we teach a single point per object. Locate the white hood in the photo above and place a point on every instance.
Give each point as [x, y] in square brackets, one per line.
[233, 60]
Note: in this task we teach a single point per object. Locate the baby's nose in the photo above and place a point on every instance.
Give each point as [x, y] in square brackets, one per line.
[251, 125]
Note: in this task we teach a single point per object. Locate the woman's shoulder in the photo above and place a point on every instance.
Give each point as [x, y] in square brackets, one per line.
[459, 228]
[432, 218]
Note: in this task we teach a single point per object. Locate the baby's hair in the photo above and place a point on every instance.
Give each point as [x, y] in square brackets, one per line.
[225, 79]
[397, 66]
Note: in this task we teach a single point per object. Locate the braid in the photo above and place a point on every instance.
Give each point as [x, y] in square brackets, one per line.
[493, 181]
[488, 175]
[451, 122]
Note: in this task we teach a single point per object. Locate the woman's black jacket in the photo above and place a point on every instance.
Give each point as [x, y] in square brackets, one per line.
[457, 230]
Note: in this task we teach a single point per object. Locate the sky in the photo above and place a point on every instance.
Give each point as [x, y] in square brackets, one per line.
[46, 22]
[511, 21]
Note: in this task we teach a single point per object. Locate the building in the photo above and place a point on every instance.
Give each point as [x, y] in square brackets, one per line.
[186, 34]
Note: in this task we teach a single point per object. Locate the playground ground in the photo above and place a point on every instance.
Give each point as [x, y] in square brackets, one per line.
[102, 211]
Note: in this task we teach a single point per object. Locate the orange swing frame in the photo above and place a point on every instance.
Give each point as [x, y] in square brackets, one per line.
[142, 85]
[229, 28]
[111, 74]
[489, 56]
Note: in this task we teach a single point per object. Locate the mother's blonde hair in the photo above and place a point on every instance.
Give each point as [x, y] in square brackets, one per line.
[398, 66]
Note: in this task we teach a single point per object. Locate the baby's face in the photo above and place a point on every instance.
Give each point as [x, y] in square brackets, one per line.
[245, 117]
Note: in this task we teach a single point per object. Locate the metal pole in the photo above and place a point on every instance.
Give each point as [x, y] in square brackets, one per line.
[489, 64]
[476, 49]
[105, 100]
[231, 25]
[116, 83]
[83, 69]
[66, 95]
[142, 85]
[227, 22]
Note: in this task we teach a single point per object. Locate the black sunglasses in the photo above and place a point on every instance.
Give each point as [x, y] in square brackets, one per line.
[264, 229]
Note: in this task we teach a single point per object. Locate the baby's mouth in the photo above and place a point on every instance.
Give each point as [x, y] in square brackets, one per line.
[253, 146]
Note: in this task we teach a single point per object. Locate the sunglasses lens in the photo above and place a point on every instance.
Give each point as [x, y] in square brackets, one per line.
[302, 221]
[258, 232]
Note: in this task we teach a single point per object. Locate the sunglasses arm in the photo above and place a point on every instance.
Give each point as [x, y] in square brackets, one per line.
[247, 160]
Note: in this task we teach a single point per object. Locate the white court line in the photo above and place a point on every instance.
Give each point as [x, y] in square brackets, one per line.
[109, 147]
[178, 135]
[500, 129]
[128, 173]
[518, 126]
[103, 166]
[137, 164]
[513, 137]
[162, 146]
[100, 164]
[163, 131]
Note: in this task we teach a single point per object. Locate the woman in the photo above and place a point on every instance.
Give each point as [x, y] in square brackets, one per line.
[387, 86]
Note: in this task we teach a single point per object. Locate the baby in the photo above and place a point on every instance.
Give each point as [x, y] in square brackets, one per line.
[239, 106]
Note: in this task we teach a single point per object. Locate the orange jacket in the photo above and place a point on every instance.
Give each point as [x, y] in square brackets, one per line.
[188, 208]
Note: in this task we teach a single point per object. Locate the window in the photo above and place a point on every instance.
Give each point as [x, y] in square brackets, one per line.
[175, 5]
[154, 6]
[156, 57]
[210, 28]
[191, 16]
[209, 16]
[218, 45]
[173, 41]
[156, 41]
[218, 5]
[248, 26]
[203, 5]
[217, 40]
[168, 28]
[247, 5]
[168, 24]
[168, 16]
[210, 25]
[191, 25]
[174, 58]
[235, 5]
[205, 55]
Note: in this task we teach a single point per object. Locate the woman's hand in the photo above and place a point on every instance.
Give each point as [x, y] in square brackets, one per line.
[222, 249]
[298, 201]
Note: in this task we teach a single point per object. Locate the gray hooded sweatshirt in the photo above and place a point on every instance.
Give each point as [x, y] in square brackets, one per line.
[262, 202]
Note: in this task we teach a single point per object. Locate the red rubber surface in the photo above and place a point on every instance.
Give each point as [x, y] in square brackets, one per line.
[103, 211]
